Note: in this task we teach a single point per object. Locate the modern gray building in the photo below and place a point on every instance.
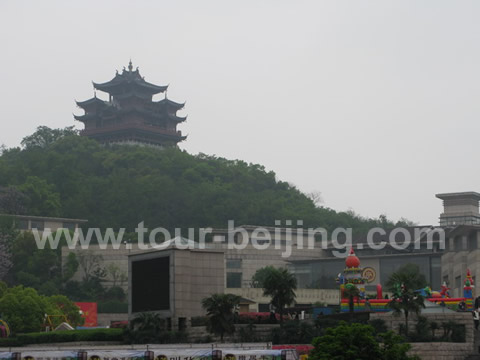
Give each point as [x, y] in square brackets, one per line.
[460, 208]
[172, 282]
[443, 253]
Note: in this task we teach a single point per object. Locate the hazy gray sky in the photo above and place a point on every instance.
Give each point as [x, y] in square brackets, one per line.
[373, 103]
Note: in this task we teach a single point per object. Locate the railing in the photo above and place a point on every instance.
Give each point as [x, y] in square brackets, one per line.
[148, 128]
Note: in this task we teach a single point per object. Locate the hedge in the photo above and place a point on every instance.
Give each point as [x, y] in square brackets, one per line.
[63, 336]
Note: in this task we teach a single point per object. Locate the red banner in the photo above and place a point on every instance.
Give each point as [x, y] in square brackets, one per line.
[89, 310]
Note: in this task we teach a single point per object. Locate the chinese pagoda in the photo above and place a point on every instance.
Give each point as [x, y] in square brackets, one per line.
[130, 116]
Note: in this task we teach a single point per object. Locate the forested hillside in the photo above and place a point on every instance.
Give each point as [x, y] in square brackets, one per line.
[63, 174]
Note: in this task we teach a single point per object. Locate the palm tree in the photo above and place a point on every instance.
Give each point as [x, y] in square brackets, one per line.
[409, 275]
[407, 301]
[280, 285]
[147, 322]
[351, 292]
[145, 328]
[220, 312]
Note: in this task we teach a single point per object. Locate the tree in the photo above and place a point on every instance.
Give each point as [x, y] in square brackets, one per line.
[409, 275]
[260, 275]
[12, 201]
[42, 199]
[7, 235]
[117, 276]
[68, 308]
[346, 342]
[24, 309]
[91, 266]
[45, 136]
[407, 301]
[115, 186]
[220, 312]
[358, 342]
[70, 266]
[351, 292]
[34, 267]
[316, 197]
[280, 285]
[145, 328]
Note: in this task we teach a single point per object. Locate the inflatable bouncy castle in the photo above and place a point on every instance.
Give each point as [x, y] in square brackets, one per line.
[352, 276]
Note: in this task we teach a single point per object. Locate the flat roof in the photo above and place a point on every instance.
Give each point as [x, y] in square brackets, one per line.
[45, 218]
[135, 252]
[459, 195]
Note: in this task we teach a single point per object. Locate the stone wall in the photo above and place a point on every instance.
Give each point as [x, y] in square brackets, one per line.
[304, 296]
[441, 351]
[435, 350]
[262, 331]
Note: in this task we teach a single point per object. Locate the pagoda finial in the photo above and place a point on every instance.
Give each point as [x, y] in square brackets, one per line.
[95, 93]
[130, 66]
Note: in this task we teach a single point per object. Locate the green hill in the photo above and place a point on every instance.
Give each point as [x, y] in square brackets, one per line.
[63, 174]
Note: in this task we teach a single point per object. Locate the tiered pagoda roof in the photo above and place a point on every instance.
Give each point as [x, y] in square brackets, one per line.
[130, 115]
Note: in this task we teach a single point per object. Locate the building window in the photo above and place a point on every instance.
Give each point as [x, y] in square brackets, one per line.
[234, 264]
[472, 242]
[234, 280]
[458, 282]
[39, 225]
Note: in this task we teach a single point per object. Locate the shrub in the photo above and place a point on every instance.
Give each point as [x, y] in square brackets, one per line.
[257, 318]
[379, 325]
[294, 332]
[199, 321]
[358, 341]
[247, 333]
[63, 336]
[458, 333]
[422, 330]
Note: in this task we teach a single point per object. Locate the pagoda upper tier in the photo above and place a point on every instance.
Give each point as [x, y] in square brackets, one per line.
[130, 115]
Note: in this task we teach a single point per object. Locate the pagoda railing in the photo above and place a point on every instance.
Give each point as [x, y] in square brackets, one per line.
[118, 127]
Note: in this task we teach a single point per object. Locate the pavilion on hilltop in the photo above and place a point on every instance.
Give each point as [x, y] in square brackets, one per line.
[130, 116]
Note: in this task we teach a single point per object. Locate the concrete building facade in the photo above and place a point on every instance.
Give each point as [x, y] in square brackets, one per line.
[316, 269]
[27, 223]
[172, 282]
[460, 208]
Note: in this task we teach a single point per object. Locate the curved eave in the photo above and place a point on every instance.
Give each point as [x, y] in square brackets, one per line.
[170, 103]
[112, 85]
[79, 117]
[157, 88]
[160, 116]
[106, 86]
[91, 101]
[84, 118]
[178, 119]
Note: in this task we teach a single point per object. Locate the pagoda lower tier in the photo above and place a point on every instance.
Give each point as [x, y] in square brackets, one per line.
[135, 134]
